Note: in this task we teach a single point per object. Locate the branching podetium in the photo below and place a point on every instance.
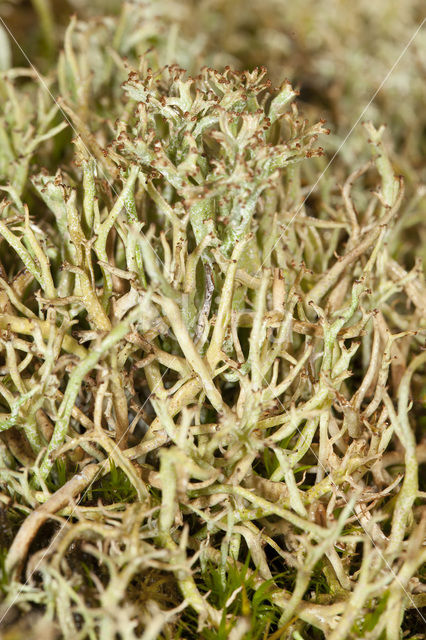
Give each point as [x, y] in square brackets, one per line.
[178, 317]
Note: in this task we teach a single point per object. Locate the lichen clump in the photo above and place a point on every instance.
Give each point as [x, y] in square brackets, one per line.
[211, 360]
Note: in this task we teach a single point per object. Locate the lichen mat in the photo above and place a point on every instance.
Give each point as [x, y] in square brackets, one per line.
[212, 338]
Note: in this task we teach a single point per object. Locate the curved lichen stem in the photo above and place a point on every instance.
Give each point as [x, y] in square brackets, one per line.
[410, 485]
[81, 370]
